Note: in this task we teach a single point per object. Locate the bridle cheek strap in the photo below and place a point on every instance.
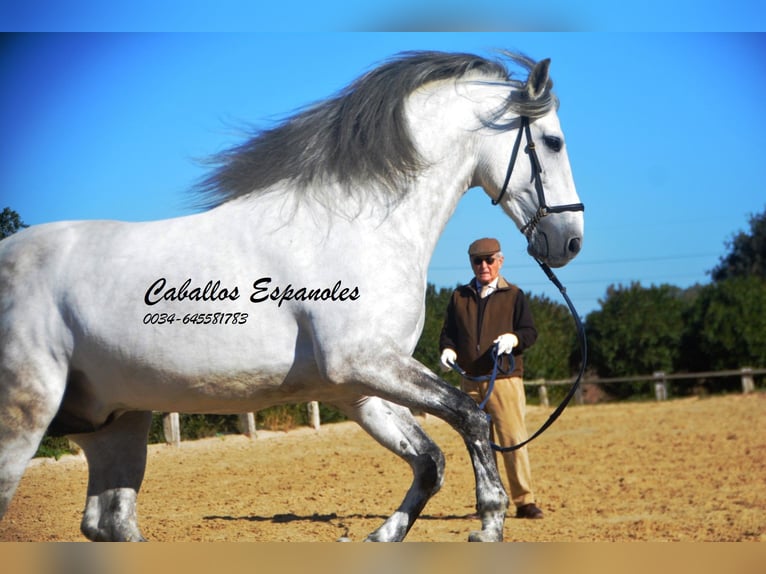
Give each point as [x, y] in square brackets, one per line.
[543, 208]
[511, 162]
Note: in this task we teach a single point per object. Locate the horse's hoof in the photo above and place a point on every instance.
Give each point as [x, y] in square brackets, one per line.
[484, 536]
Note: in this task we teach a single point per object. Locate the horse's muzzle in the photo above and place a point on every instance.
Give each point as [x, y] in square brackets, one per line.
[556, 253]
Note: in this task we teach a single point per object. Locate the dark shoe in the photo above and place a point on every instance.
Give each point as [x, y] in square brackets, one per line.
[528, 511]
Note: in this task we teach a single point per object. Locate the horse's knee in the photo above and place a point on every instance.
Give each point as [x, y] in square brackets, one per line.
[474, 421]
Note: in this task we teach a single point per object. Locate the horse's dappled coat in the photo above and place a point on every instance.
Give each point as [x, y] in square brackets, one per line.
[351, 193]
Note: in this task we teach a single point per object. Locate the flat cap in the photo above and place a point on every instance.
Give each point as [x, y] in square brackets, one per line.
[484, 246]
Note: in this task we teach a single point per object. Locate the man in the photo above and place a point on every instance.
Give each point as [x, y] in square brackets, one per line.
[487, 311]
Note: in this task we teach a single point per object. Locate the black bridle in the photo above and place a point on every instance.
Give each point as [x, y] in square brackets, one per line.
[543, 209]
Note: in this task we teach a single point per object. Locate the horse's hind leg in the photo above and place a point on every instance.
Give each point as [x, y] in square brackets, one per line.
[116, 462]
[29, 397]
[394, 427]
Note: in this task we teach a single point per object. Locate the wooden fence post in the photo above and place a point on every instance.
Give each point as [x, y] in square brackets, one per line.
[313, 407]
[748, 385]
[247, 425]
[543, 393]
[660, 386]
[171, 428]
[578, 396]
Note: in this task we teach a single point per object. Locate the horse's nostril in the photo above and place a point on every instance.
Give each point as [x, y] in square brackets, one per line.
[574, 245]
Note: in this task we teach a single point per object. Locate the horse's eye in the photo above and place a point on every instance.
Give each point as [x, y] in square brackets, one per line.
[553, 142]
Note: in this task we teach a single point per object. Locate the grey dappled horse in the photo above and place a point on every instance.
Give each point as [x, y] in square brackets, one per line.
[303, 280]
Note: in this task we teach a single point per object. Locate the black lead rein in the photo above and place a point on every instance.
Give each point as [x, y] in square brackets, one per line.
[543, 210]
[576, 384]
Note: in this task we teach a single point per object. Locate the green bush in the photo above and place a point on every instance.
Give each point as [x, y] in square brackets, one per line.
[55, 447]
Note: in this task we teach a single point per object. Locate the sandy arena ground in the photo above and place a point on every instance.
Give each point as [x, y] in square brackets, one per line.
[681, 470]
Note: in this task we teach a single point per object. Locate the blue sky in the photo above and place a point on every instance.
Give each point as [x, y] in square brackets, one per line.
[342, 15]
[665, 133]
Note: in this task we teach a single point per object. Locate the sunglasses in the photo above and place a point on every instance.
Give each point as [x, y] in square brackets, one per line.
[489, 260]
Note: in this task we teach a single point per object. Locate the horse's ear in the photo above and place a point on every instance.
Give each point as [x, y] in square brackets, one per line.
[538, 79]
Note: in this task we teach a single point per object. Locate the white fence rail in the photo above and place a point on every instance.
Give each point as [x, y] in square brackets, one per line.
[172, 428]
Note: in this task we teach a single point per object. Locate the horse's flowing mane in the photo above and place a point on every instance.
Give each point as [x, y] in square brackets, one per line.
[360, 135]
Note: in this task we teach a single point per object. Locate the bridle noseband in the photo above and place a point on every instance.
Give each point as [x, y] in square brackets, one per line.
[543, 209]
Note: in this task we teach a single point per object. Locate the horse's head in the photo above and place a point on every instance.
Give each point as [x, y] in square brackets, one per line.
[535, 186]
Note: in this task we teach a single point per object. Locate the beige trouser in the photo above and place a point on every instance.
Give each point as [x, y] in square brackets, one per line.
[507, 406]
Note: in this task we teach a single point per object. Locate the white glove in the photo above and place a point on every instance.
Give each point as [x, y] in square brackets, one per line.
[506, 343]
[449, 356]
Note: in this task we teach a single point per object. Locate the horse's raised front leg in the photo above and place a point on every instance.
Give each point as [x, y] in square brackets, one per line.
[116, 457]
[405, 381]
[394, 427]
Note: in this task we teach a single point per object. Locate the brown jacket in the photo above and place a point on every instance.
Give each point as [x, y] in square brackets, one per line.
[471, 325]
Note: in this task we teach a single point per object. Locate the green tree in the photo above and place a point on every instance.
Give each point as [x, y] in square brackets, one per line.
[637, 331]
[747, 252]
[10, 223]
[550, 357]
[726, 326]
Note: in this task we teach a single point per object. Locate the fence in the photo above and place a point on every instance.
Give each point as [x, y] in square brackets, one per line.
[659, 378]
[172, 427]
[171, 424]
